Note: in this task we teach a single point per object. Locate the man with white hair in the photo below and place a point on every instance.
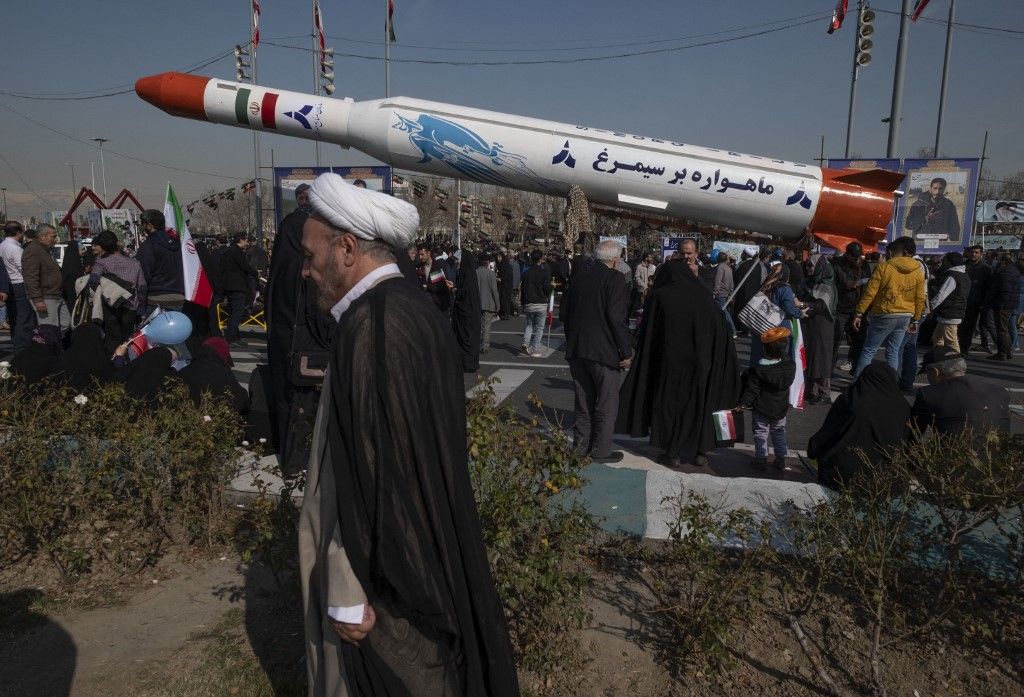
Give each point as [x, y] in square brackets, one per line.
[598, 346]
[397, 590]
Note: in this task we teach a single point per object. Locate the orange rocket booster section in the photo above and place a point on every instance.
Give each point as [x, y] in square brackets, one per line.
[689, 182]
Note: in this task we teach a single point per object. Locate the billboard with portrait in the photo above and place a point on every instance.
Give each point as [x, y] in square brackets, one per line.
[937, 200]
[1000, 211]
[287, 178]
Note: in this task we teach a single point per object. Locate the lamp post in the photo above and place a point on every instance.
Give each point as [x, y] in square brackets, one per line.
[103, 169]
[74, 186]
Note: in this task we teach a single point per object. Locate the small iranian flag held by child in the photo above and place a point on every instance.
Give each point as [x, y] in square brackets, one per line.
[725, 425]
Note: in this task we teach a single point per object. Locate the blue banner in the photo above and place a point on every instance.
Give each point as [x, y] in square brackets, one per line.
[287, 178]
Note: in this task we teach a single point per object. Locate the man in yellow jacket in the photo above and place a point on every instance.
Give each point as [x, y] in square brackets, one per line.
[894, 300]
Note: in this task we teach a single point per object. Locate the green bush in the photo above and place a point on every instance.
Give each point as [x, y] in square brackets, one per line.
[100, 483]
[537, 535]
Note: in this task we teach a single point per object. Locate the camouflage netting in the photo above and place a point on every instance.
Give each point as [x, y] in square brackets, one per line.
[577, 220]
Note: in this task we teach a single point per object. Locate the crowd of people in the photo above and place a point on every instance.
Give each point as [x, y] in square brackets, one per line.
[78, 324]
[370, 336]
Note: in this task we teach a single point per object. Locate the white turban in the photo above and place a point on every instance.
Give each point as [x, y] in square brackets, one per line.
[369, 215]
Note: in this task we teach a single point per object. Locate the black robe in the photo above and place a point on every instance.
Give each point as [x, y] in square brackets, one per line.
[683, 370]
[294, 324]
[505, 280]
[466, 313]
[397, 444]
[144, 377]
[873, 414]
[35, 362]
[86, 360]
[208, 373]
[70, 271]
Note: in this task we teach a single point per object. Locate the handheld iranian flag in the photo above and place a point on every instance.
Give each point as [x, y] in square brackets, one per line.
[799, 352]
[551, 308]
[725, 425]
[197, 285]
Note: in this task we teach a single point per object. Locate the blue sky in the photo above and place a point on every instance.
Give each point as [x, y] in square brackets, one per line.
[774, 94]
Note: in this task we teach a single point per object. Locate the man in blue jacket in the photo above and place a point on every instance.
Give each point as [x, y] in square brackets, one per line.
[160, 257]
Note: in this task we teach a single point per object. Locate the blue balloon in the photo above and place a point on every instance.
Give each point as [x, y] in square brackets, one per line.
[168, 328]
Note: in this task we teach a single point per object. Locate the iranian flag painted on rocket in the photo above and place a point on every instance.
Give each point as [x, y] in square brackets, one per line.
[197, 285]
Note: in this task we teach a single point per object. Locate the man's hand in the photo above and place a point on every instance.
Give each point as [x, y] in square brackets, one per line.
[856, 324]
[912, 329]
[354, 633]
[625, 363]
[451, 286]
[40, 306]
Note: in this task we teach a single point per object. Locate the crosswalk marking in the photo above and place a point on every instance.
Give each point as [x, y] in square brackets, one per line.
[508, 382]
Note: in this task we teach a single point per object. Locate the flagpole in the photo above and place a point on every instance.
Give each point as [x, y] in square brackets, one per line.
[945, 73]
[387, 48]
[896, 111]
[853, 82]
[316, 76]
[256, 135]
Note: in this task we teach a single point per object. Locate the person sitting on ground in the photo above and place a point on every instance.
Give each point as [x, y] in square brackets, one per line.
[955, 401]
[209, 372]
[871, 416]
[766, 394]
[143, 378]
[86, 360]
[36, 362]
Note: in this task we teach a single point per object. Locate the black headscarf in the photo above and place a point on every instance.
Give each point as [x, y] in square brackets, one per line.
[144, 376]
[872, 416]
[35, 362]
[207, 372]
[86, 359]
[466, 312]
[684, 368]
[70, 271]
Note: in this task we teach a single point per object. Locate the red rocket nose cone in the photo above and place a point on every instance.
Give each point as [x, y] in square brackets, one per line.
[178, 94]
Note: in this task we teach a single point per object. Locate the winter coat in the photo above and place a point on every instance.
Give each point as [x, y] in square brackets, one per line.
[895, 288]
[41, 272]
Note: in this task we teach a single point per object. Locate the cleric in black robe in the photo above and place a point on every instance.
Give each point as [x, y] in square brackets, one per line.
[505, 281]
[389, 536]
[870, 417]
[466, 314]
[295, 328]
[683, 370]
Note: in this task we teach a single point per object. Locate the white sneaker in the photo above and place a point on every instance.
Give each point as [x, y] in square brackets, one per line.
[845, 366]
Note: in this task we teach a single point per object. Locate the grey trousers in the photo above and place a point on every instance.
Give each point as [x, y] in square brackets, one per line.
[57, 314]
[486, 320]
[597, 404]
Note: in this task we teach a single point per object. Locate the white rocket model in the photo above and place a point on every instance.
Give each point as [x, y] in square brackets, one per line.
[721, 187]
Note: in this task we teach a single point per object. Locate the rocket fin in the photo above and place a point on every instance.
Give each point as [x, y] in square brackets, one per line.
[877, 179]
[840, 241]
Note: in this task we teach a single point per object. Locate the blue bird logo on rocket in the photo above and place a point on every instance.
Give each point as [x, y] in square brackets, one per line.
[464, 151]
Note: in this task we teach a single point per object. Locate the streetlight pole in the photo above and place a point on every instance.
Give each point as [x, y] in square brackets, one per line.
[103, 169]
[74, 186]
